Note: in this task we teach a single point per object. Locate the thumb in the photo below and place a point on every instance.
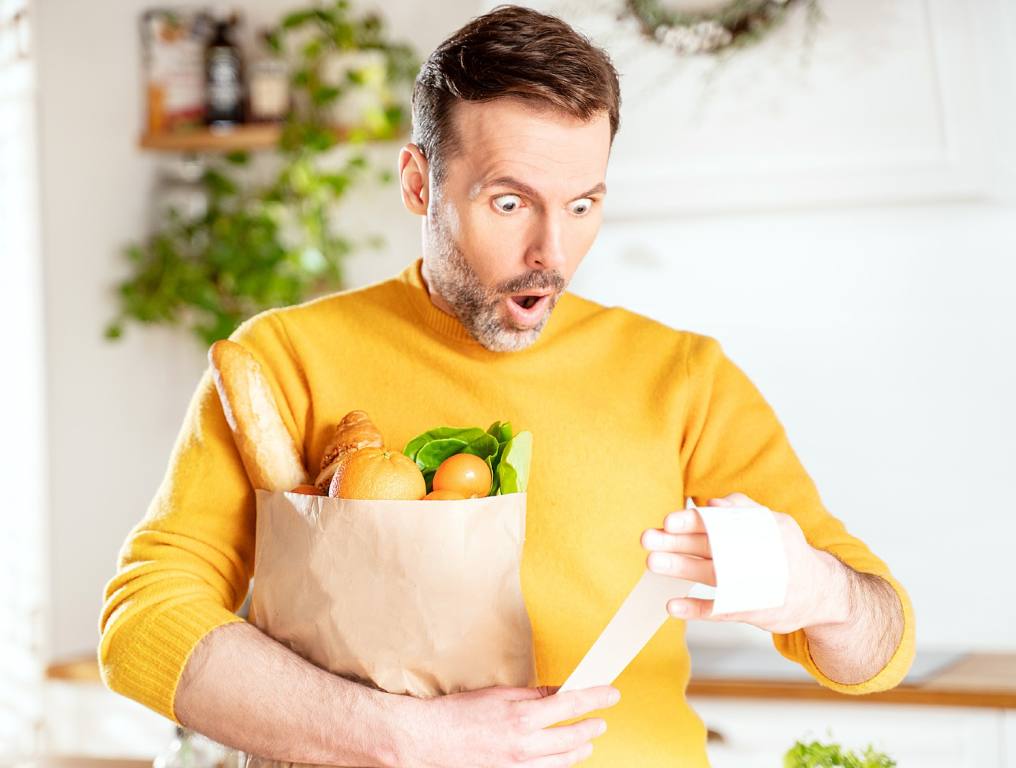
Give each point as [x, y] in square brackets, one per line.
[734, 500]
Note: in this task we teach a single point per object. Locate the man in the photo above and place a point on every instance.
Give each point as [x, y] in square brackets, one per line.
[513, 121]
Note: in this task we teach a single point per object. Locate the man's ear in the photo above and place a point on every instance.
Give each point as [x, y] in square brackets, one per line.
[414, 179]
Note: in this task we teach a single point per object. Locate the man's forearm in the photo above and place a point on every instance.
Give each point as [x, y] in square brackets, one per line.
[858, 647]
[244, 690]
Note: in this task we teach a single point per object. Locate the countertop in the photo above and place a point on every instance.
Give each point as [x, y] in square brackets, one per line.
[967, 680]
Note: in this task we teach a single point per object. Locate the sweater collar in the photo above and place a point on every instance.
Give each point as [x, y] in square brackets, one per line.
[447, 325]
[419, 296]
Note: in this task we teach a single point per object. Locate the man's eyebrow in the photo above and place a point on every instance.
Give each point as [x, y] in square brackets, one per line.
[511, 181]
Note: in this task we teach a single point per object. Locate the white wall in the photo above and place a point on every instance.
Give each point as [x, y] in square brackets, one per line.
[114, 409]
[23, 554]
[847, 230]
[872, 301]
[885, 339]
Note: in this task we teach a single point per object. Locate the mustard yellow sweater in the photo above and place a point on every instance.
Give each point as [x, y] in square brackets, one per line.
[629, 417]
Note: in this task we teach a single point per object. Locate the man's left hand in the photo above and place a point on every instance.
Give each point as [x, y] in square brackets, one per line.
[817, 585]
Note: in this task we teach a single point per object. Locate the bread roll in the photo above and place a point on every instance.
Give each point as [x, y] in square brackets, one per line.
[354, 432]
[266, 447]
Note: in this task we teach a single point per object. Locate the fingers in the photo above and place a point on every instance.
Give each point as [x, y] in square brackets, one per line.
[541, 713]
[565, 739]
[697, 608]
[696, 569]
[690, 521]
[734, 500]
[577, 755]
[517, 694]
[684, 521]
[696, 544]
[690, 608]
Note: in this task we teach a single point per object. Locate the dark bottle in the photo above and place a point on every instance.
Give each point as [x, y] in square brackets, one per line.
[223, 77]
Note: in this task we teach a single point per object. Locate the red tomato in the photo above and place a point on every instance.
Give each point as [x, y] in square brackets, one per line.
[465, 473]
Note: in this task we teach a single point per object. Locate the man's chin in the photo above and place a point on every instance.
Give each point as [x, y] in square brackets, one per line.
[509, 340]
[499, 332]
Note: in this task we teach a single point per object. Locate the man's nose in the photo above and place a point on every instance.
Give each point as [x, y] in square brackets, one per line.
[547, 250]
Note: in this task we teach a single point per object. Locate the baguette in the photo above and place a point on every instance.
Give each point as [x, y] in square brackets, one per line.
[266, 447]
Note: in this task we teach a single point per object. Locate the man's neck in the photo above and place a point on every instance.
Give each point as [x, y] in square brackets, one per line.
[435, 298]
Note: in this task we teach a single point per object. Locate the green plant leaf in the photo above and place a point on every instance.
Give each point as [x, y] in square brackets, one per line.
[262, 244]
[312, 49]
[296, 18]
[325, 94]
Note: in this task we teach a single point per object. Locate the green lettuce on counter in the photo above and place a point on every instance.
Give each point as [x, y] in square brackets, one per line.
[817, 755]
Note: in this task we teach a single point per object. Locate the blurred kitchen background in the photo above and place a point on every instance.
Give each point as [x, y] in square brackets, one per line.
[834, 200]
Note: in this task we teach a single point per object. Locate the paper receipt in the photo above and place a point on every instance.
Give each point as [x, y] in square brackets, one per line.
[641, 614]
[751, 574]
[751, 566]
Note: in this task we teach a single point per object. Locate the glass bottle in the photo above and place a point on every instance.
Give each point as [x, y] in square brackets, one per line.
[268, 86]
[223, 76]
[190, 750]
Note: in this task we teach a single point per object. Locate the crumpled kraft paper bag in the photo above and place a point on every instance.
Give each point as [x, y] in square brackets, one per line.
[412, 597]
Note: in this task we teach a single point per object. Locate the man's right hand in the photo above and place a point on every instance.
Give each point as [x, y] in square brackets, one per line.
[500, 727]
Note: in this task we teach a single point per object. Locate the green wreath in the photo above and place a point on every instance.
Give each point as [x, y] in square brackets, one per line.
[736, 24]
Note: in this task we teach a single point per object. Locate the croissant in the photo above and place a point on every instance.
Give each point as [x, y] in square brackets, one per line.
[354, 432]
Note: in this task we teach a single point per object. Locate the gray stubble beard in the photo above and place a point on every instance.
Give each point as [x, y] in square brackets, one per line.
[476, 307]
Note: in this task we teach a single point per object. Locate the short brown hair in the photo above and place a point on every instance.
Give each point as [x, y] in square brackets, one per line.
[511, 52]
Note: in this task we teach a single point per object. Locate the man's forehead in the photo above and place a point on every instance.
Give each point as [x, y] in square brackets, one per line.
[507, 138]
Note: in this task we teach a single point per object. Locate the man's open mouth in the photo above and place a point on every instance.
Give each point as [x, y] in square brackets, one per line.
[526, 302]
[527, 309]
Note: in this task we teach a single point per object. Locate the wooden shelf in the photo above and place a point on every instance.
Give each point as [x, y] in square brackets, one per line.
[80, 669]
[241, 138]
[76, 761]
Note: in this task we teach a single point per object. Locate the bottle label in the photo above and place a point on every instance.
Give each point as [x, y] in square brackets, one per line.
[223, 80]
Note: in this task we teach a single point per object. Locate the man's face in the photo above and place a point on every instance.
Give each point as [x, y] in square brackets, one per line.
[518, 208]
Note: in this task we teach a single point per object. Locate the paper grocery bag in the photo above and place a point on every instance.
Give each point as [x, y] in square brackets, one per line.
[412, 597]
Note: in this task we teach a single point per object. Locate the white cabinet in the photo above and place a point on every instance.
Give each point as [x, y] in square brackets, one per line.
[1009, 738]
[89, 720]
[757, 733]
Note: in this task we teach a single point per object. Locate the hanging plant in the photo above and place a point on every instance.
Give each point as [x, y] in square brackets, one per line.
[257, 247]
[733, 25]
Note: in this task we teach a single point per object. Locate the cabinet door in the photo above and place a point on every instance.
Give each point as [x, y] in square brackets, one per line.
[1009, 739]
[757, 733]
[88, 720]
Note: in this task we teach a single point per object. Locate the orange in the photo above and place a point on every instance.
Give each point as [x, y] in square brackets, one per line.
[311, 490]
[465, 473]
[378, 473]
[444, 496]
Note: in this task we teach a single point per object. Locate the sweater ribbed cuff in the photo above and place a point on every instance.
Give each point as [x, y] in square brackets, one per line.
[794, 646]
[155, 654]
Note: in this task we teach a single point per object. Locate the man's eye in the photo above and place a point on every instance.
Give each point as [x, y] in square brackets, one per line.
[507, 203]
[581, 207]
